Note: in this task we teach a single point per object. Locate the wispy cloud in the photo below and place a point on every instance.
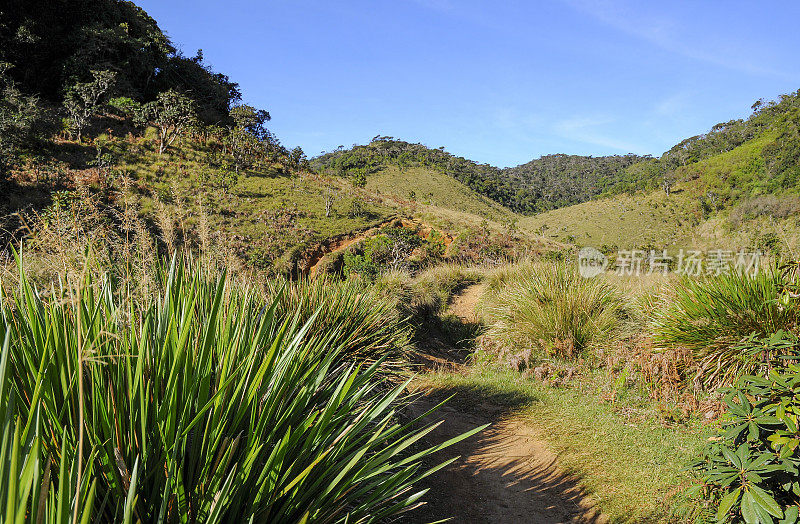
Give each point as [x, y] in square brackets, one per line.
[664, 32]
[589, 130]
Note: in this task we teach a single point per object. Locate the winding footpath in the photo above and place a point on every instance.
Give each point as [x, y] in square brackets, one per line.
[505, 474]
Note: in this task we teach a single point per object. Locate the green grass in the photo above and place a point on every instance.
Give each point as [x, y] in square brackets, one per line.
[627, 460]
[436, 190]
[200, 404]
[624, 221]
[273, 214]
[655, 219]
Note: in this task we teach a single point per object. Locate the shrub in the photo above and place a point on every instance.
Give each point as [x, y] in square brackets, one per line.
[204, 404]
[549, 307]
[751, 471]
[773, 206]
[360, 321]
[710, 316]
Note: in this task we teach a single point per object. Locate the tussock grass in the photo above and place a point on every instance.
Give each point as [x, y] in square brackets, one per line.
[548, 307]
[429, 292]
[363, 323]
[202, 404]
[709, 316]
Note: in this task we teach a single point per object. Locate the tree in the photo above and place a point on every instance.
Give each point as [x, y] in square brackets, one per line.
[297, 159]
[172, 113]
[251, 120]
[247, 136]
[83, 99]
[667, 182]
[330, 194]
[213, 93]
[20, 118]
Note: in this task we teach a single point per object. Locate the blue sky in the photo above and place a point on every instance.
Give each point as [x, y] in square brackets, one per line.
[495, 81]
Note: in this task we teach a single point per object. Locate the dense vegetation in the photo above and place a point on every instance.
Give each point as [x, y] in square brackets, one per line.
[774, 169]
[201, 403]
[65, 71]
[555, 181]
[546, 183]
[50, 50]
[751, 471]
[242, 396]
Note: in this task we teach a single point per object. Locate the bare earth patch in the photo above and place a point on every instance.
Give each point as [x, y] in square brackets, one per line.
[504, 474]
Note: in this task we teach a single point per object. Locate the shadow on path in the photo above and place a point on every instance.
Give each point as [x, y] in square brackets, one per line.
[505, 474]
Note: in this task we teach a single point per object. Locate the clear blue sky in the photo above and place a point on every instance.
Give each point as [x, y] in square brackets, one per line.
[495, 81]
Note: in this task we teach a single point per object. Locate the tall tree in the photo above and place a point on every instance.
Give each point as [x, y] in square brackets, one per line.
[83, 99]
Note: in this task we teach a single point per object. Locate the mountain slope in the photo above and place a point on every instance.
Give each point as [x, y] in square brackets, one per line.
[545, 183]
[726, 200]
[429, 187]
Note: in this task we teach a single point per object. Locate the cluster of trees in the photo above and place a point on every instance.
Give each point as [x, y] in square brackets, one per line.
[360, 161]
[21, 122]
[554, 181]
[61, 68]
[53, 48]
[546, 183]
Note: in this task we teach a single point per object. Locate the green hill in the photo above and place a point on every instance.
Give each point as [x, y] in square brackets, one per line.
[432, 188]
[726, 200]
[548, 182]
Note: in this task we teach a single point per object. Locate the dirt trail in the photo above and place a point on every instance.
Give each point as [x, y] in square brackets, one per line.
[505, 473]
[333, 245]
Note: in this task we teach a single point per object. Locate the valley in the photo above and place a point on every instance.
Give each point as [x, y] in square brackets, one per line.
[199, 323]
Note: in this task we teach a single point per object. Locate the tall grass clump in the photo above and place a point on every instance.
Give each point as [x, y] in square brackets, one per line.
[535, 309]
[201, 404]
[428, 292]
[711, 316]
[360, 320]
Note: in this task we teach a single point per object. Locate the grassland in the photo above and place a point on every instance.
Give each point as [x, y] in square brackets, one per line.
[431, 188]
[624, 221]
[274, 215]
[677, 220]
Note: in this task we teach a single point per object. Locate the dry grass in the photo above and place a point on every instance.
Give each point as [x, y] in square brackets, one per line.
[545, 309]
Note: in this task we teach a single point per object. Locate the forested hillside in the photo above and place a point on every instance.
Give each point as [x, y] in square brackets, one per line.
[549, 182]
[773, 124]
[559, 180]
[62, 69]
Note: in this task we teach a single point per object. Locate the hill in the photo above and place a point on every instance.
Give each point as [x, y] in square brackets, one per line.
[429, 187]
[725, 200]
[771, 135]
[545, 183]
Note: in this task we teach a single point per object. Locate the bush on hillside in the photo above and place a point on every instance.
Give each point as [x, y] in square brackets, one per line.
[539, 309]
[711, 316]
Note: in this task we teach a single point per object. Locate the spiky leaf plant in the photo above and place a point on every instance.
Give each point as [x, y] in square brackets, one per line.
[366, 325]
[711, 316]
[201, 405]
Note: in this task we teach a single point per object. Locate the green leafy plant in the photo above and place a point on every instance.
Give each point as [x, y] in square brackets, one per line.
[751, 471]
[201, 404]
